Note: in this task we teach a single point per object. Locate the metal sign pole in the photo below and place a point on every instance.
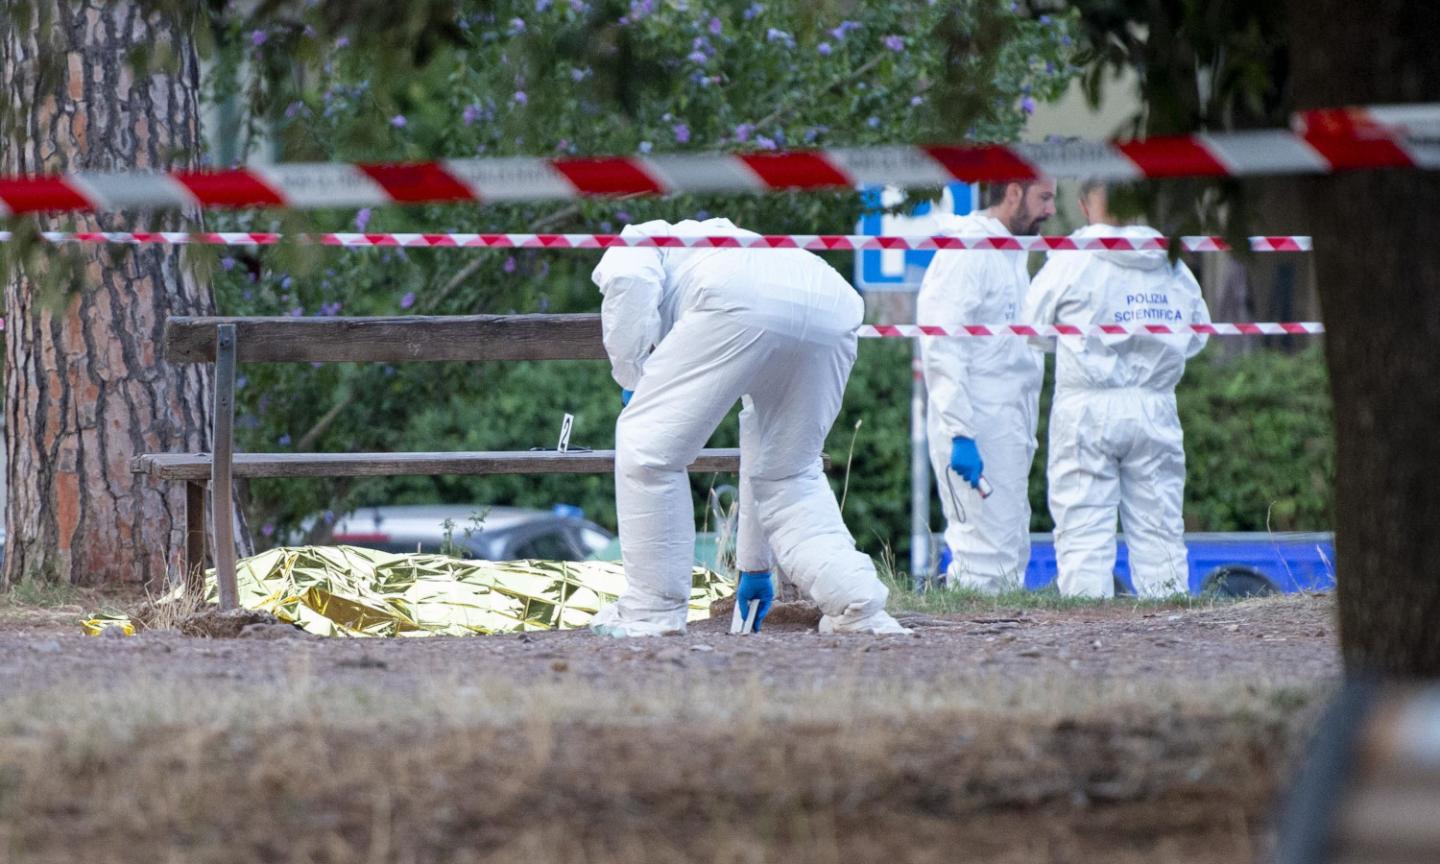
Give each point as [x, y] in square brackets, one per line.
[919, 478]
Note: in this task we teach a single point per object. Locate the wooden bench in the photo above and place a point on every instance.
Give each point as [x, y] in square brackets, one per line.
[472, 338]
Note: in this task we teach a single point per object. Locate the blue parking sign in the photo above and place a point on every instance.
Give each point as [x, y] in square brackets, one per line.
[899, 269]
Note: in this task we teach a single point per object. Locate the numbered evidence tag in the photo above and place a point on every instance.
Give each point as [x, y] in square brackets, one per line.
[746, 625]
[564, 445]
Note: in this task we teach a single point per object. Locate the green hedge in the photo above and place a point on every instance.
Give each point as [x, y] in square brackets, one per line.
[1258, 442]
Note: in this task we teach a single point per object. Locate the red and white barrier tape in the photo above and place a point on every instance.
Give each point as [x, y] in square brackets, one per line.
[911, 331]
[812, 242]
[1322, 142]
[1252, 328]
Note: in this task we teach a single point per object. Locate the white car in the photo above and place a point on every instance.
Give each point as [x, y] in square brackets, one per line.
[485, 533]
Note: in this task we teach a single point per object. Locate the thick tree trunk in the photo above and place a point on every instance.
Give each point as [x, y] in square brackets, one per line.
[85, 387]
[1378, 265]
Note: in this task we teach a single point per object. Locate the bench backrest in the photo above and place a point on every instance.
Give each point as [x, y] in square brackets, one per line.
[390, 340]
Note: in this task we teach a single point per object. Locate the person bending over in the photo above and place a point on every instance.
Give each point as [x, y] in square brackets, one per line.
[689, 332]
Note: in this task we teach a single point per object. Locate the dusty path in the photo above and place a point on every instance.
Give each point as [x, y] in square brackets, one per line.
[1107, 734]
[1286, 638]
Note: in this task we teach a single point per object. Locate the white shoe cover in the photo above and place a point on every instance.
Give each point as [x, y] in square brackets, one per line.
[607, 622]
[878, 623]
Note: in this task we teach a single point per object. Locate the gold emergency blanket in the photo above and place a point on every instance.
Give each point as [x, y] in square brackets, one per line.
[349, 591]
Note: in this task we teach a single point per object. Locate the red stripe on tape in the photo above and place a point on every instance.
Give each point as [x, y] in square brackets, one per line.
[1205, 328]
[1159, 329]
[439, 240]
[977, 330]
[1175, 156]
[617, 176]
[1345, 122]
[982, 163]
[1113, 329]
[1249, 329]
[802, 170]
[1023, 330]
[229, 188]
[1289, 327]
[1346, 152]
[34, 194]
[933, 330]
[418, 181]
[887, 329]
[1068, 330]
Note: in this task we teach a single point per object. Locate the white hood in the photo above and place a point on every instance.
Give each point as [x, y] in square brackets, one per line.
[1133, 289]
[1149, 259]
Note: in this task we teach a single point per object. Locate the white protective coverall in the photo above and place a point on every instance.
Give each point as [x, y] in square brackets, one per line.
[777, 327]
[1115, 438]
[988, 389]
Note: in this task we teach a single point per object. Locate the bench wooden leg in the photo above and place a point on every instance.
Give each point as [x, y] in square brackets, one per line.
[222, 494]
[194, 561]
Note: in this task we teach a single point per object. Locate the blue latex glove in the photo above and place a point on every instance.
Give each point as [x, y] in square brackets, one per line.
[965, 460]
[625, 396]
[755, 585]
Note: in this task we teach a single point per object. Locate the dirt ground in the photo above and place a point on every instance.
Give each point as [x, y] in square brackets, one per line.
[1113, 733]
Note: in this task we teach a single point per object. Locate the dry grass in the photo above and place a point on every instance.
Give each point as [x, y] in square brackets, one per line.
[168, 610]
[489, 768]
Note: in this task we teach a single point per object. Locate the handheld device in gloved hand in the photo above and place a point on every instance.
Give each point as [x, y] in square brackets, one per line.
[754, 596]
[965, 460]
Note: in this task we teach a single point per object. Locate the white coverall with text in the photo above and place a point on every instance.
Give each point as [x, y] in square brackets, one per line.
[1115, 437]
[776, 327]
[988, 389]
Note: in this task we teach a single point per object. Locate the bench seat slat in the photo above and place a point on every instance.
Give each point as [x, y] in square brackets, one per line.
[196, 466]
[453, 338]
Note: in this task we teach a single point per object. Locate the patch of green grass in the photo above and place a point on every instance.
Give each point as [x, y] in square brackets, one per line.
[952, 601]
[40, 593]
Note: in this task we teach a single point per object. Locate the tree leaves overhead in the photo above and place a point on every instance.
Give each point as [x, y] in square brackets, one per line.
[1202, 65]
[379, 81]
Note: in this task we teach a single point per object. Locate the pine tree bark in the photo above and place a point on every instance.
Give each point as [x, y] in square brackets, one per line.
[85, 385]
[1378, 268]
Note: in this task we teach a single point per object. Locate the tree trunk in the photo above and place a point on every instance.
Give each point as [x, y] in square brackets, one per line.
[85, 386]
[1378, 265]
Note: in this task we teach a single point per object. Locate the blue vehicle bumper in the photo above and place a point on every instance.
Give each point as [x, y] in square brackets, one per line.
[1262, 563]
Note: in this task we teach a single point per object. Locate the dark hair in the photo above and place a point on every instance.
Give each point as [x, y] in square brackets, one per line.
[995, 192]
[1090, 184]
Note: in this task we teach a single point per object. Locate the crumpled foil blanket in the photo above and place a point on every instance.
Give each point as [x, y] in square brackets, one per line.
[349, 591]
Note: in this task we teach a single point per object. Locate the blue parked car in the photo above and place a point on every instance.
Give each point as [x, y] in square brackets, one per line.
[1226, 564]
